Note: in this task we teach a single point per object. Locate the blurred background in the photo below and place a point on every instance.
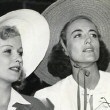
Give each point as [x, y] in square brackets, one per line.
[32, 83]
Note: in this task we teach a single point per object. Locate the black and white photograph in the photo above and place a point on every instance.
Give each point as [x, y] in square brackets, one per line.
[55, 55]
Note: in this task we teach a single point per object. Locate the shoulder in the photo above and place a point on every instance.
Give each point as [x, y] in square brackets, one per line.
[55, 92]
[54, 88]
[104, 78]
[64, 89]
[104, 74]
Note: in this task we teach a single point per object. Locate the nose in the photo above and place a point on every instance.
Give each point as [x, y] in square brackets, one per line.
[18, 59]
[88, 39]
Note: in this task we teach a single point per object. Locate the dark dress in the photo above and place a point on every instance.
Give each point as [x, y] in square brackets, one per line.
[35, 104]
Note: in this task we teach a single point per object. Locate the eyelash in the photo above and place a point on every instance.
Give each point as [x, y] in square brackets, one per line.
[78, 35]
[7, 51]
[96, 36]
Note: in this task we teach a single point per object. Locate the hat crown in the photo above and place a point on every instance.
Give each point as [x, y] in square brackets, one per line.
[62, 11]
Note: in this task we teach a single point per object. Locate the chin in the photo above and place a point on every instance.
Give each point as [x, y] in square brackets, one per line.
[14, 78]
[90, 59]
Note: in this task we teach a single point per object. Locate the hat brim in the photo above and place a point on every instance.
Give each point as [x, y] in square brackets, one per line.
[62, 11]
[35, 35]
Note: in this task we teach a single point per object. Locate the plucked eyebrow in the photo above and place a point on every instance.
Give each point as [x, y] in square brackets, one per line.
[77, 30]
[93, 30]
[6, 45]
[9, 46]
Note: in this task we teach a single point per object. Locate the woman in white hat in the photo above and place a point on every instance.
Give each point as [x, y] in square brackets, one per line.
[24, 38]
[79, 31]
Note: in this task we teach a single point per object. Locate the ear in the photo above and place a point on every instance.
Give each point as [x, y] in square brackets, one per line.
[64, 47]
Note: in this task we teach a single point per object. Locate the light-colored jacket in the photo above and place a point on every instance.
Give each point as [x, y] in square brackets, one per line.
[64, 94]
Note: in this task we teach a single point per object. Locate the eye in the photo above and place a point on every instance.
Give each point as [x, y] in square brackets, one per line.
[7, 51]
[94, 35]
[77, 35]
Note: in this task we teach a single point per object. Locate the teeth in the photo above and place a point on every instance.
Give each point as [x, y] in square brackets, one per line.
[88, 50]
[15, 68]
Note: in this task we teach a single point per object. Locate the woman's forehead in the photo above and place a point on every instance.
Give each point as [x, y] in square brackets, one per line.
[81, 24]
[11, 42]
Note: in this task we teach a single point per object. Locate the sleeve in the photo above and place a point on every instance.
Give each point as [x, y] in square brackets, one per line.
[35, 104]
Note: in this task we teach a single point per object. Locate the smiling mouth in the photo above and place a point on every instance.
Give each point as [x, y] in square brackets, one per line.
[88, 50]
[16, 68]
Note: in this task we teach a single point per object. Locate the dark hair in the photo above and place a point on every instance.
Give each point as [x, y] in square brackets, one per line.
[8, 32]
[104, 57]
[59, 64]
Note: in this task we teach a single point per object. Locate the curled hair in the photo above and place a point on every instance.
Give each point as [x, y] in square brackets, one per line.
[8, 32]
[104, 57]
[59, 64]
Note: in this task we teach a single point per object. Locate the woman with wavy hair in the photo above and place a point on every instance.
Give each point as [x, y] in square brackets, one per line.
[24, 38]
[79, 33]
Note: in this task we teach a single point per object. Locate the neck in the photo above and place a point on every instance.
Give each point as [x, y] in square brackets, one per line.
[5, 93]
[91, 78]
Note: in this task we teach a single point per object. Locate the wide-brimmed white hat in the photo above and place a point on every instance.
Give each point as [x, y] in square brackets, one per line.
[62, 11]
[35, 35]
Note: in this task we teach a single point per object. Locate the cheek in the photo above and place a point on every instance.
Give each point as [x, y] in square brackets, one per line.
[98, 50]
[74, 49]
[4, 61]
[97, 47]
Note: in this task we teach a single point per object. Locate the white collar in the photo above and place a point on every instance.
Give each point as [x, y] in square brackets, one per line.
[16, 97]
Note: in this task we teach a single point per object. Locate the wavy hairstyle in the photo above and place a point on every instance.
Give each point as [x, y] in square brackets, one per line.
[59, 63]
[7, 32]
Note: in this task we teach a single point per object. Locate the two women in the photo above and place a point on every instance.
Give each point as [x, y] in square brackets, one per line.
[77, 30]
[24, 38]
